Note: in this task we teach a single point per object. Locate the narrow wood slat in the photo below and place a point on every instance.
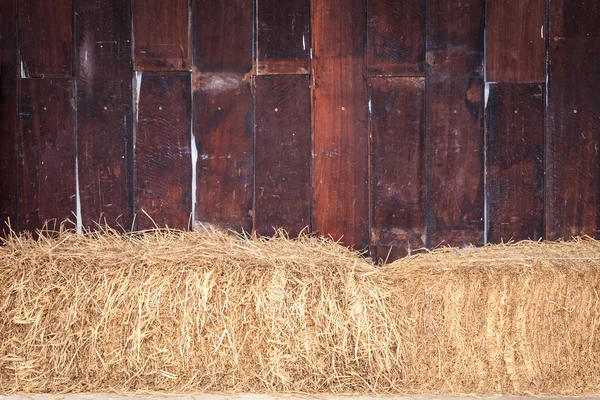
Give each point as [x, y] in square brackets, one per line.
[515, 173]
[161, 32]
[104, 112]
[454, 143]
[516, 41]
[573, 137]
[283, 152]
[398, 154]
[396, 37]
[46, 37]
[283, 36]
[163, 164]
[46, 152]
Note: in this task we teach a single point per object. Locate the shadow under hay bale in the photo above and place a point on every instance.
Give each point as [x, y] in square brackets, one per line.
[209, 312]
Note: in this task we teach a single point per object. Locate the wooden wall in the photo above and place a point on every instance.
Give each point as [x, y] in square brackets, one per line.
[393, 124]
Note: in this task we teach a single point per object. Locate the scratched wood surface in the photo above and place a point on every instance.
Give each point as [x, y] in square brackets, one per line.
[515, 153]
[573, 137]
[160, 31]
[283, 36]
[396, 37]
[46, 37]
[340, 140]
[283, 152]
[516, 41]
[46, 152]
[454, 101]
[8, 115]
[163, 163]
[397, 152]
[104, 112]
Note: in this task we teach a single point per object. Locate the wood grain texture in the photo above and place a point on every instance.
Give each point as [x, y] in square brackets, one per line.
[573, 137]
[47, 152]
[222, 35]
[340, 139]
[224, 130]
[46, 37]
[398, 156]
[160, 31]
[104, 112]
[282, 154]
[515, 153]
[163, 163]
[8, 115]
[516, 41]
[396, 37]
[454, 136]
[283, 36]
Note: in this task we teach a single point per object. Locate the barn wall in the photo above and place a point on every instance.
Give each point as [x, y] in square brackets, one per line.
[389, 124]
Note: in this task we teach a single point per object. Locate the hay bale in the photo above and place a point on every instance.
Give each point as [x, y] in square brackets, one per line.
[209, 312]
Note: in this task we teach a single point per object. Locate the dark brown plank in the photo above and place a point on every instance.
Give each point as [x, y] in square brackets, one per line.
[223, 126]
[163, 163]
[160, 31]
[283, 36]
[47, 152]
[573, 137]
[46, 37]
[222, 35]
[8, 115]
[515, 40]
[340, 139]
[454, 122]
[396, 37]
[104, 112]
[397, 151]
[283, 152]
[515, 173]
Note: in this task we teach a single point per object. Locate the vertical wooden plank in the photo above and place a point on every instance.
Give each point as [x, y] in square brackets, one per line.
[8, 114]
[283, 151]
[223, 35]
[47, 152]
[515, 41]
[573, 137]
[283, 36]
[163, 164]
[396, 37]
[398, 135]
[515, 180]
[340, 140]
[224, 132]
[454, 143]
[160, 31]
[46, 37]
[104, 112]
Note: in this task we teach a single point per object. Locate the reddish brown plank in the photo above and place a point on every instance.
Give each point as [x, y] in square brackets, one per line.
[515, 40]
[340, 139]
[283, 36]
[454, 122]
[397, 151]
[573, 137]
[104, 112]
[515, 172]
[396, 37]
[8, 115]
[222, 35]
[46, 152]
[283, 151]
[160, 31]
[223, 126]
[46, 37]
[163, 163]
